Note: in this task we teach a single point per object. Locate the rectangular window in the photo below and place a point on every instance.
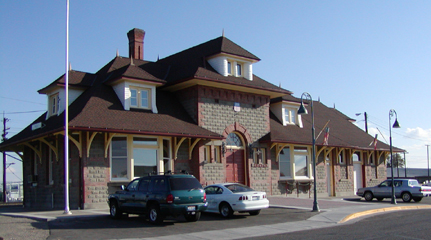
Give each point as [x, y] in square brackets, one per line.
[139, 97]
[119, 158]
[284, 161]
[207, 155]
[238, 69]
[289, 116]
[217, 151]
[145, 161]
[229, 68]
[53, 104]
[301, 162]
[166, 154]
[49, 179]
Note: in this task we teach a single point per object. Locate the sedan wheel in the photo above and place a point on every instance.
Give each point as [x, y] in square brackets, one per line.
[406, 197]
[368, 196]
[225, 210]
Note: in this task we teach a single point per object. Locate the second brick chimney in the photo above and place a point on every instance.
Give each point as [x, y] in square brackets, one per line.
[136, 43]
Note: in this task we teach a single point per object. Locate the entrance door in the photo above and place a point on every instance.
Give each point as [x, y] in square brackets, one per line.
[357, 176]
[235, 166]
[235, 169]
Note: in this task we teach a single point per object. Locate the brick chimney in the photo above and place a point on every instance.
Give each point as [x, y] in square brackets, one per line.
[136, 43]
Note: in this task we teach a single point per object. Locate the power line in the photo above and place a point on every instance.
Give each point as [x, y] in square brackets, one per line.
[26, 112]
[19, 100]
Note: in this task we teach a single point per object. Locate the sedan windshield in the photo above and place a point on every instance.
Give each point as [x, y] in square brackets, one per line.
[238, 188]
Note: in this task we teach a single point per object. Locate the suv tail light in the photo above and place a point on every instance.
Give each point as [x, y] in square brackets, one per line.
[205, 197]
[170, 198]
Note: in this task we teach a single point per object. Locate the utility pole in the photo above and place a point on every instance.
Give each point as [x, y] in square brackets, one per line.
[428, 162]
[405, 165]
[5, 120]
[366, 122]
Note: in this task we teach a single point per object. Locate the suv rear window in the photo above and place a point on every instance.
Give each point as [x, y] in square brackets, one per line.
[184, 183]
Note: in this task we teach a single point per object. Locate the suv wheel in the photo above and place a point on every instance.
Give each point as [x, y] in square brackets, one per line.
[154, 214]
[192, 217]
[225, 210]
[406, 197]
[114, 211]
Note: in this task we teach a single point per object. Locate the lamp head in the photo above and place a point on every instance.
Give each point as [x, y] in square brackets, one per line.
[396, 124]
[302, 110]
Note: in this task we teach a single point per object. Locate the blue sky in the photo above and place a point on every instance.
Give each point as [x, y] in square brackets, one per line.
[359, 56]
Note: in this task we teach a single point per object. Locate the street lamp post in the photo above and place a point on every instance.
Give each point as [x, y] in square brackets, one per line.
[396, 125]
[303, 110]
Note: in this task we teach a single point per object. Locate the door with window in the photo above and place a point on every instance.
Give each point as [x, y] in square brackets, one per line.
[235, 167]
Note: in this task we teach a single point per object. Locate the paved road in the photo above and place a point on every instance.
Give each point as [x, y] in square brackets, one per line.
[397, 225]
[285, 215]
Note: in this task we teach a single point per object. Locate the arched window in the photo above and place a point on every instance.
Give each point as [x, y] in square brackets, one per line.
[233, 140]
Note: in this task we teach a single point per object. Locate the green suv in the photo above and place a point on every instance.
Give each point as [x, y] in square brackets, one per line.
[159, 196]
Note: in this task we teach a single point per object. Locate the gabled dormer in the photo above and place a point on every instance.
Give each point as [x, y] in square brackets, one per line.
[232, 60]
[229, 65]
[55, 92]
[286, 110]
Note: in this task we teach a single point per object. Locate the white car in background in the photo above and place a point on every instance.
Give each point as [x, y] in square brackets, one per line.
[227, 198]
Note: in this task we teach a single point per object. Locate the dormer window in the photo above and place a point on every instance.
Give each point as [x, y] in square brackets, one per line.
[290, 115]
[229, 67]
[53, 104]
[238, 69]
[139, 97]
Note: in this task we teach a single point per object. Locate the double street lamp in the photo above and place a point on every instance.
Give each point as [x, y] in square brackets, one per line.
[396, 125]
[303, 110]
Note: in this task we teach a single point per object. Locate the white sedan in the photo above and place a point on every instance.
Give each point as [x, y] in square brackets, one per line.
[227, 198]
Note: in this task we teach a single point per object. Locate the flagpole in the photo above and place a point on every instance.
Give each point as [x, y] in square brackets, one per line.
[66, 119]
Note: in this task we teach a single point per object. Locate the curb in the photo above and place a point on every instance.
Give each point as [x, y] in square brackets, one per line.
[380, 210]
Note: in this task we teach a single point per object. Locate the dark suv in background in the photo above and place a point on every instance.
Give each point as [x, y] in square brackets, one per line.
[159, 196]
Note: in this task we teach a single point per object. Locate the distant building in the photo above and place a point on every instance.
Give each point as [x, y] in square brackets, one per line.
[202, 110]
[421, 174]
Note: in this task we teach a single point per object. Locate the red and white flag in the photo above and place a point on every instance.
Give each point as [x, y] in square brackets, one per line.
[374, 142]
[326, 137]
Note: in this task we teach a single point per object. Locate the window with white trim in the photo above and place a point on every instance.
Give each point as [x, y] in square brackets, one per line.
[140, 97]
[144, 156]
[294, 164]
[119, 158]
[289, 115]
[137, 156]
[217, 151]
[207, 156]
[53, 104]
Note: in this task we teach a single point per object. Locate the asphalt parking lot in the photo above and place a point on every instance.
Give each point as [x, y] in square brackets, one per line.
[135, 226]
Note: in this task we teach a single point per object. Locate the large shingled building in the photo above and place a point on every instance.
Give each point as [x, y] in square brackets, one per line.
[201, 110]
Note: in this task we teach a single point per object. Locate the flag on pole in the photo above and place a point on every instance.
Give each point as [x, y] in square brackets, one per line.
[374, 142]
[326, 137]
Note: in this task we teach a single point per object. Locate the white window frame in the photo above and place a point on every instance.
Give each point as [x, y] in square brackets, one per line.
[290, 115]
[139, 91]
[294, 151]
[54, 104]
[157, 144]
[217, 151]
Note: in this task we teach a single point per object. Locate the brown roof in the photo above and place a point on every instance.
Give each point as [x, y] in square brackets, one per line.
[342, 132]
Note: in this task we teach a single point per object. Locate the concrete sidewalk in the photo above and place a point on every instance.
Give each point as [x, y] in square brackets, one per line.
[333, 211]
